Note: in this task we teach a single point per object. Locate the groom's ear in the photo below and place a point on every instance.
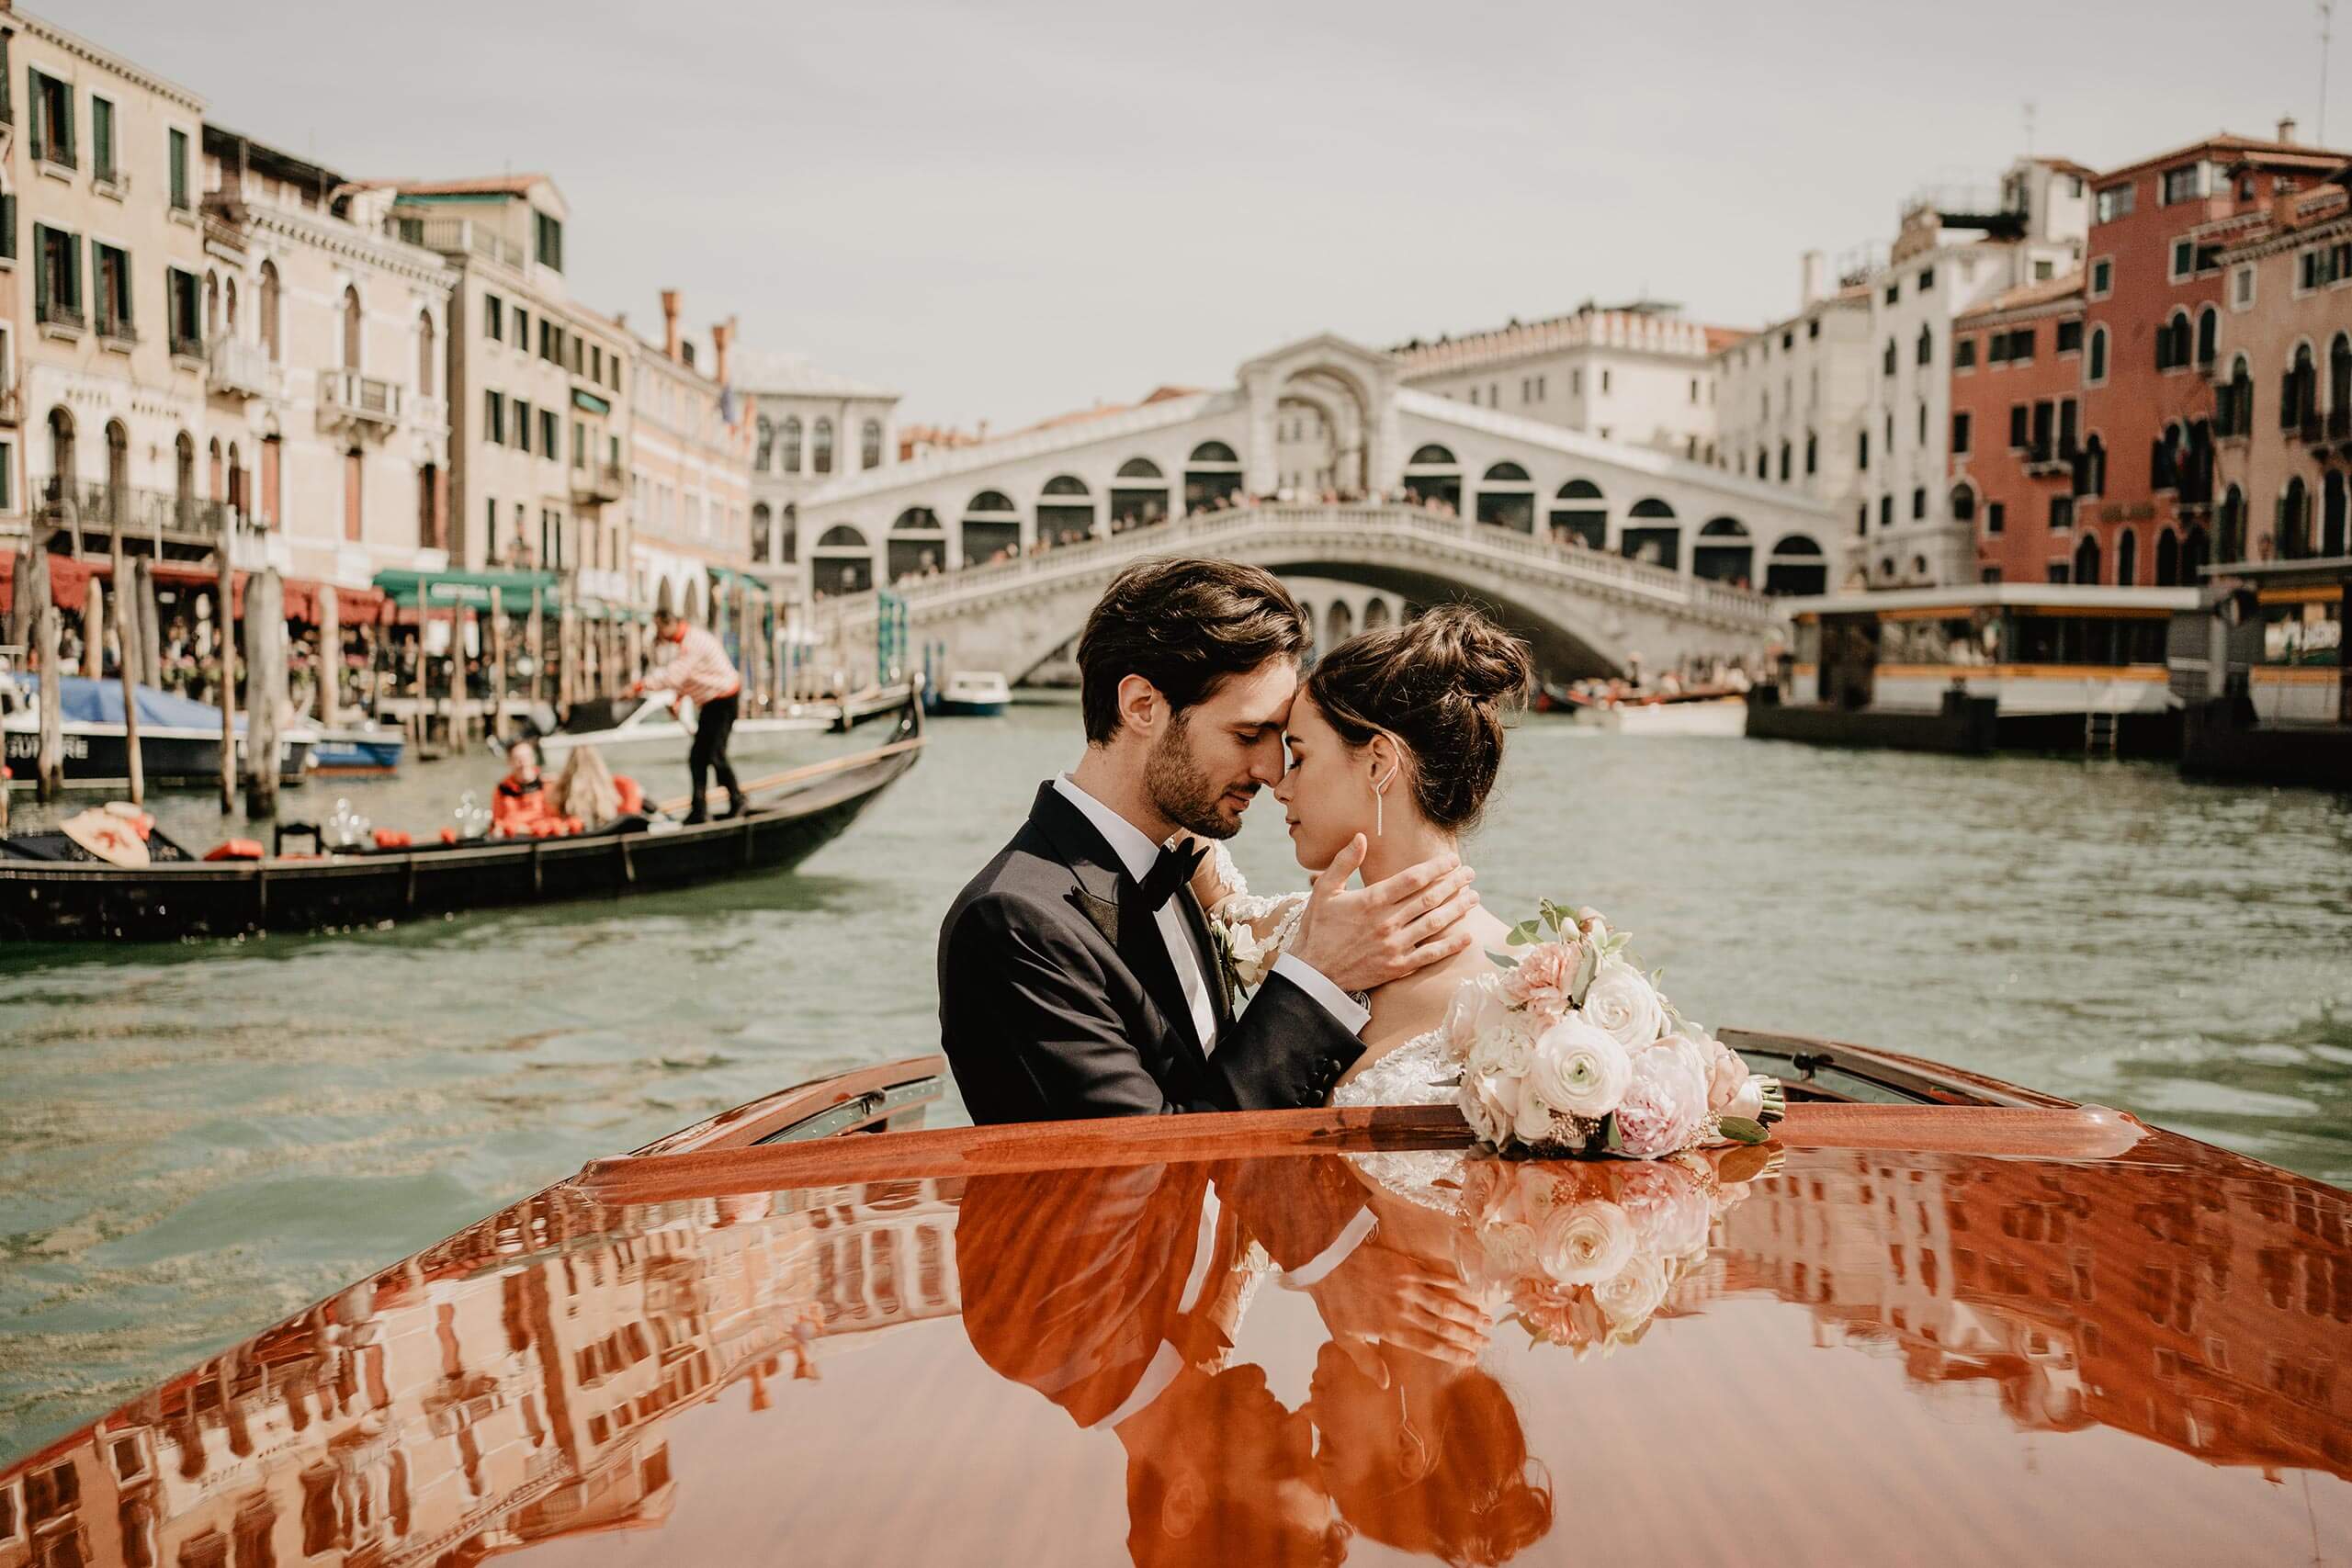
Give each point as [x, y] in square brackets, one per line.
[1141, 705]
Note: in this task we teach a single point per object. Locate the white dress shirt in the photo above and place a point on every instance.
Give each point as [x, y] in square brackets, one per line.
[1138, 854]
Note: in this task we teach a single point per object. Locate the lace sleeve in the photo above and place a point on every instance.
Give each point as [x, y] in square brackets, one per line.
[1259, 927]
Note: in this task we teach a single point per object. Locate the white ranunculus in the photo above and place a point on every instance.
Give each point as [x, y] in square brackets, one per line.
[1626, 1006]
[1534, 1124]
[1578, 1069]
[1486, 1105]
[1634, 1292]
[1584, 1243]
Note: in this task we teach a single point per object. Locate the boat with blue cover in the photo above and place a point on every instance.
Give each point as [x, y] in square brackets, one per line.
[180, 738]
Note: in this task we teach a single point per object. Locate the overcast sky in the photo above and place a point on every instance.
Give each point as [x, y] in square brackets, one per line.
[1006, 209]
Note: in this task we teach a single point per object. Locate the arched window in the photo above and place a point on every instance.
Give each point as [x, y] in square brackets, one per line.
[869, 445]
[788, 454]
[351, 328]
[2194, 556]
[1651, 535]
[212, 470]
[763, 454]
[1506, 473]
[1926, 349]
[1139, 469]
[2086, 559]
[2233, 521]
[61, 456]
[2090, 467]
[2234, 412]
[212, 304]
[1797, 566]
[229, 303]
[426, 380]
[2167, 559]
[2127, 558]
[1138, 495]
[1812, 453]
[2339, 387]
[2294, 533]
[1918, 566]
[1066, 515]
[924, 552]
[2095, 362]
[820, 444]
[269, 311]
[2209, 324]
[992, 529]
[915, 517]
[1964, 503]
[1785, 458]
[2299, 391]
[1067, 484]
[1887, 367]
[1724, 553]
[2330, 514]
[1212, 476]
[1580, 515]
[1507, 498]
[762, 527]
[842, 561]
[1430, 457]
[2173, 342]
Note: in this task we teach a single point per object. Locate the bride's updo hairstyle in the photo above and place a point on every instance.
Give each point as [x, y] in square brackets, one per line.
[1441, 686]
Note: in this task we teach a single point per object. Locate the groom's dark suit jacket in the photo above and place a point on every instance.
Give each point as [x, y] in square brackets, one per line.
[1058, 999]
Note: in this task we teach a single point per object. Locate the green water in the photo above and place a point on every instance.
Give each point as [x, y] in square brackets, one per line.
[198, 1140]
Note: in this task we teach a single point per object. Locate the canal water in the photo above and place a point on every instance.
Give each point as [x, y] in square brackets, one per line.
[197, 1140]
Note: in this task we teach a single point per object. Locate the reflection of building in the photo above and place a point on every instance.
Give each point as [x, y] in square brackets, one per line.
[2163, 1304]
[508, 1386]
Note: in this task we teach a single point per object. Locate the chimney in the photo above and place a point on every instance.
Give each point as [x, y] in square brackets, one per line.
[722, 334]
[1812, 279]
[2287, 129]
[2285, 203]
[669, 322]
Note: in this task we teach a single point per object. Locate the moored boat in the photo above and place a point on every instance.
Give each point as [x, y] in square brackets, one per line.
[971, 694]
[621, 724]
[809, 1327]
[180, 738]
[49, 892]
[2047, 667]
[358, 750]
[2259, 663]
[1705, 713]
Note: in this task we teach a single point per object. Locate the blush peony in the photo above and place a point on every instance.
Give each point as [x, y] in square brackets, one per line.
[1666, 1103]
[1544, 976]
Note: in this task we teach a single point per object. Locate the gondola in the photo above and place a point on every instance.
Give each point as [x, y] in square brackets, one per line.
[44, 896]
[1938, 1318]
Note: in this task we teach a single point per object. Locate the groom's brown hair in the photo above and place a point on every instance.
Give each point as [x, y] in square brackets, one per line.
[1187, 624]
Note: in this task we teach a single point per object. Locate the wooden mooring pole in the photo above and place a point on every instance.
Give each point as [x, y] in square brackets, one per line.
[128, 661]
[265, 688]
[224, 637]
[49, 762]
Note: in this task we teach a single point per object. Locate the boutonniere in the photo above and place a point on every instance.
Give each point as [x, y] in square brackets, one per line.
[1241, 956]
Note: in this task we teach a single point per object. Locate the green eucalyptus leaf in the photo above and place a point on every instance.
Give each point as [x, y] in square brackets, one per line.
[1740, 1130]
[1609, 1139]
[1505, 959]
[1525, 933]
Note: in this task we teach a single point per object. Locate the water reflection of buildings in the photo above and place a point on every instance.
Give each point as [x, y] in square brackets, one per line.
[2165, 1302]
[506, 1387]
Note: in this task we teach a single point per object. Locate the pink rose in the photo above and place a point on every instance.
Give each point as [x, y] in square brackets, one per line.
[1725, 1071]
[1545, 975]
[1665, 1104]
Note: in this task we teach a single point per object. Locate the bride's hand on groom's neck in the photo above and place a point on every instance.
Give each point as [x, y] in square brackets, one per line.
[1360, 938]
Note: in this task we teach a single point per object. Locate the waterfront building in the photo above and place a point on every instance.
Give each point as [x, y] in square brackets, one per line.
[102, 361]
[808, 424]
[2154, 307]
[2016, 430]
[538, 425]
[1641, 373]
[690, 471]
[326, 343]
[1956, 249]
[1792, 406]
[2286, 335]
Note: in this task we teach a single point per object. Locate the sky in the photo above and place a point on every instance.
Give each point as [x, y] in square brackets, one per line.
[1005, 211]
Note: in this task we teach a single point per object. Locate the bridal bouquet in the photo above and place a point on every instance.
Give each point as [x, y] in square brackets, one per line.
[1570, 1050]
[1586, 1254]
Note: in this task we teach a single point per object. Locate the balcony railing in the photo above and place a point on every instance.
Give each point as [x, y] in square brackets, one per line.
[455, 237]
[117, 332]
[97, 504]
[188, 345]
[593, 483]
[364, 400]
[242, 369]
[58, 314]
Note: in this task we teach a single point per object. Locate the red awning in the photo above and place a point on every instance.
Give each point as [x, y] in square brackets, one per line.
[70, 587]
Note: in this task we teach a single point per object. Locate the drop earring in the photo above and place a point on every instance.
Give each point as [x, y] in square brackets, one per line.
[1380, 802]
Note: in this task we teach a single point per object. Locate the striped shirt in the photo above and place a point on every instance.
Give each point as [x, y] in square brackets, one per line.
[697, 670]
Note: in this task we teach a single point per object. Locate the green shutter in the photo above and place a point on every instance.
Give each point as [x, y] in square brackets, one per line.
[41, 265]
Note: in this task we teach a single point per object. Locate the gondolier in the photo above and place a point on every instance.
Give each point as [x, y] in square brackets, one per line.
[700, 673]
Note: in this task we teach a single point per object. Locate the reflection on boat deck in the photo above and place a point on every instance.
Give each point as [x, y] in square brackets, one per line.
[521, 1385]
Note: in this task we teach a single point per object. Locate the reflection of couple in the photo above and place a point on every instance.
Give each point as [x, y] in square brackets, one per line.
[1079, 973]
[1118, 1295]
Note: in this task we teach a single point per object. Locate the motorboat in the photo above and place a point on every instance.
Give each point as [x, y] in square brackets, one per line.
[1703, 713]
[971, 694]
[621, 724]
[1938, 1318]
[357, 748]
[51, 889]
[180, 738]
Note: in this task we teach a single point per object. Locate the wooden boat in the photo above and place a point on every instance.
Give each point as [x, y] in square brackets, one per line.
[970, 694]
[1713, 713]
[623, 724]
[179, 740]
[46, 899]
[1939, 1319]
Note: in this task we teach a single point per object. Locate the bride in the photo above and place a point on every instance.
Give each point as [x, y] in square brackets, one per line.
[1396, 735]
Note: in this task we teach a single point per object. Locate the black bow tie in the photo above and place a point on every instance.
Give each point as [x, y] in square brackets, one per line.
[1172, 870]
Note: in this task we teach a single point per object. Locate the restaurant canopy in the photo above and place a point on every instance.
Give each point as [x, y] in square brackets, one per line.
[69, 587]
[468, 589]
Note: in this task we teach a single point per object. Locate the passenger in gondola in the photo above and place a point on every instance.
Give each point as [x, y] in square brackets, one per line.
[522, 797]
[700, 673]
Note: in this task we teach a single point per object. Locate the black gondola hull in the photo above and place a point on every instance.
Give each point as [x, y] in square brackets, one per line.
[89, 902]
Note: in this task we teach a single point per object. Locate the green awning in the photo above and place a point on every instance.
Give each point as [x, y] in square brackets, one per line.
[403, 587]
[727, 577]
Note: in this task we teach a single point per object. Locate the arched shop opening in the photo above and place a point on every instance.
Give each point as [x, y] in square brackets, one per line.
[1212, 476]
[1065, 511]
[1724, 553]
[1507, 498]
[1581, 511]
[1652, 535]
[1796, 566]
[918, 545]
[1139, 496]
[1433, 475]
[842, 561]
[992, 528]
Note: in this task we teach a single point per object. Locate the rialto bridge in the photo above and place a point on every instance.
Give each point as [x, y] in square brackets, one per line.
[1600, 552]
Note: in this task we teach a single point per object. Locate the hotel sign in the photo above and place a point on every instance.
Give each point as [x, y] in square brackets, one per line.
[2127, 511]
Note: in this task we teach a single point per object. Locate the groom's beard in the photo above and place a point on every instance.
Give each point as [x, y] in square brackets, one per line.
[1181, 789]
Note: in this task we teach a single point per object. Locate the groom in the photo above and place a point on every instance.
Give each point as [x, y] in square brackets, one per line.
[1076, 974]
